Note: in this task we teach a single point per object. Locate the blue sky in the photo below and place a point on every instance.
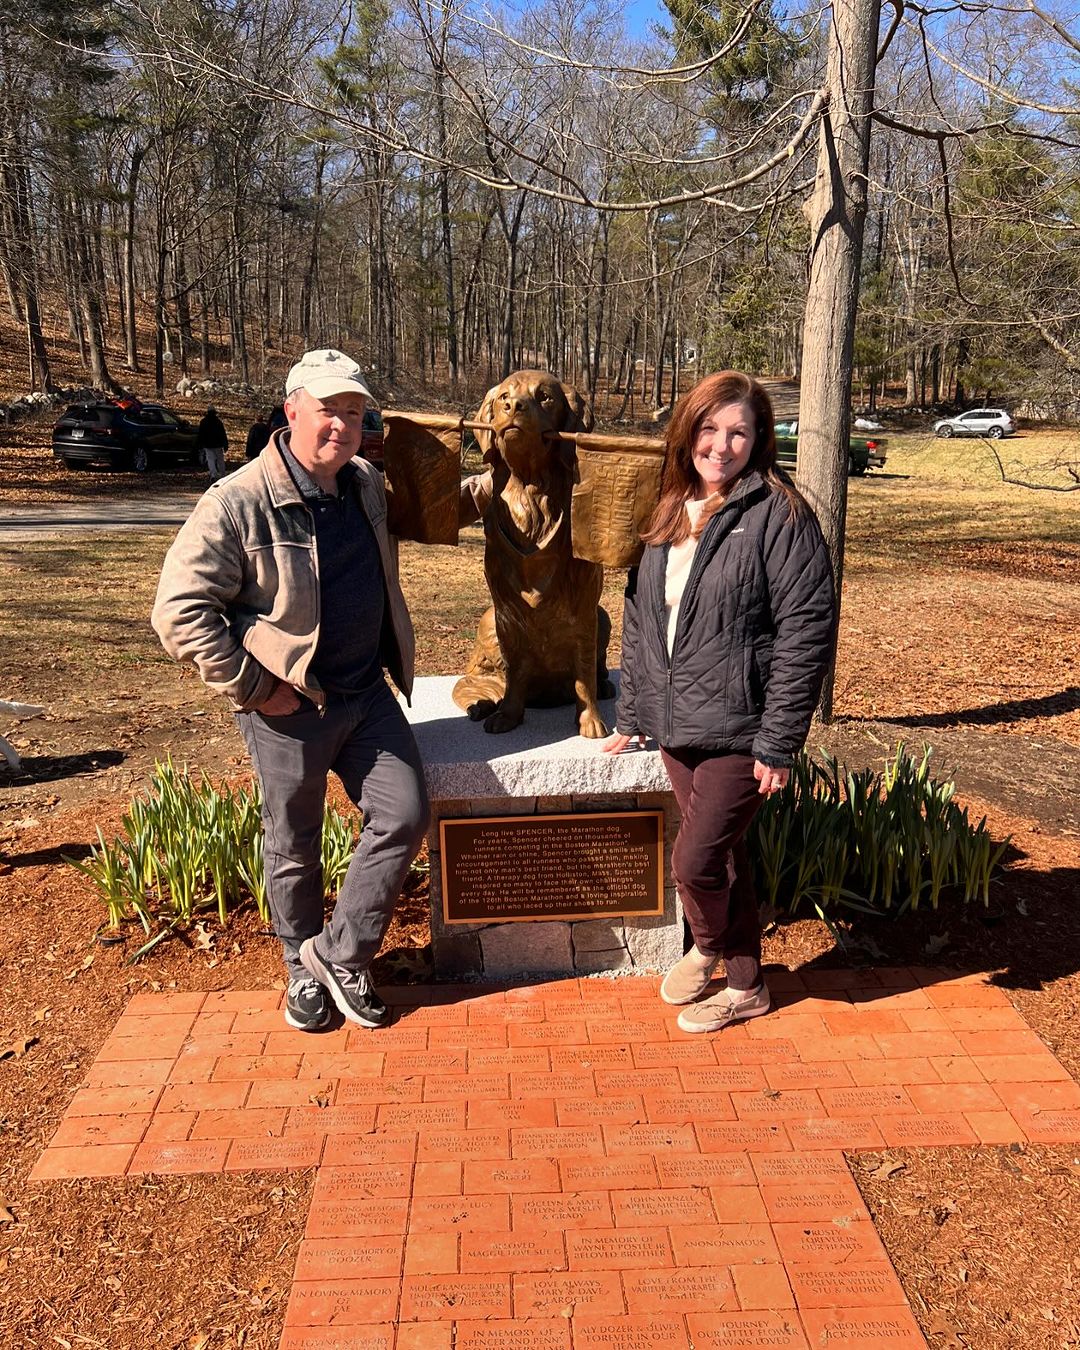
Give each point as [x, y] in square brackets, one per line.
[640, 13]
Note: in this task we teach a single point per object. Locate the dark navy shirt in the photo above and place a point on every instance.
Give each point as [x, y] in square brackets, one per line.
[351, 595]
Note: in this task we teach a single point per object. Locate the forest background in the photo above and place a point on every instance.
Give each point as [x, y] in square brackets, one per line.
[452, 192]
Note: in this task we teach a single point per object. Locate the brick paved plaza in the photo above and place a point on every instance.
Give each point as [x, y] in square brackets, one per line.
[558, 1167]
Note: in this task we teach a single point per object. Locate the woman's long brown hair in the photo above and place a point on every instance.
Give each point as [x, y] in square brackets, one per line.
[670, 523]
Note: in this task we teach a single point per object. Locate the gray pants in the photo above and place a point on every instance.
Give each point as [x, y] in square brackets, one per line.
[368, 743]
[214, 459]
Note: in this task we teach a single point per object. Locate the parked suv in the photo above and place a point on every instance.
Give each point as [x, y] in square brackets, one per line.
[992, 422]
[371, 437]
[864, 452]
[136, 436]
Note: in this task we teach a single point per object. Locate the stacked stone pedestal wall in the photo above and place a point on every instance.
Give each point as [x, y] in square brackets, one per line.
[542, 767]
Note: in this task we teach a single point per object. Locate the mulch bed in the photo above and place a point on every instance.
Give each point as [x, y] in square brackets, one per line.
[984, 1240]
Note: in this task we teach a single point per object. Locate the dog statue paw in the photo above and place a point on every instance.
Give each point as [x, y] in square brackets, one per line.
[592, 725]
[501, 720]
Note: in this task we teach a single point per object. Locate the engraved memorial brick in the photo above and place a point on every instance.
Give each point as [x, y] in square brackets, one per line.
[692, 1290]
[530, 1143]
[650, 1138]
[603, 1174]
[451, 1145]
[685, 1107]
[834, 1132]
[799, 1167]
[343, 1302]
[723, 1244]
[889, 1328]
[640, 1332]
[338, 1338]
[810, 1202]
[458, 1087]
[776, 1105]
[345, 1258]
[742, 1135]
[533, 1112]
[459, 1213]
[537, 1334]
[426, 1116]
[746, 1331]
[638, 1208]
[856, 1285]
[575, 1083]
[866, 1101]
[511, 1178]
[594, 1110]
[356, 1218]
[642, 1249]
[724, 1078]
[512, 1252]
[454, 1297]
[589, 1209]
[726, 1169]
[583, 1056]
[553, 1293]
[828, 1243]
[616, 1082]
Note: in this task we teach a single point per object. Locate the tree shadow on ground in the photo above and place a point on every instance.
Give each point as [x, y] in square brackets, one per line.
[1027, 939]
[991, 714]
[50, 768]
[47, 857]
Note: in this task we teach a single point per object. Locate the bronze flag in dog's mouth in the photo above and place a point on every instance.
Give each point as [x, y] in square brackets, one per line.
[422, 462]
[617, 485]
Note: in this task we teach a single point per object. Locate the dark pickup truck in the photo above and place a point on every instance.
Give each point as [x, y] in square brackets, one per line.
[864, 452]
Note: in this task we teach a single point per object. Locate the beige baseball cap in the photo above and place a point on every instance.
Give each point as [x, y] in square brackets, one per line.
[324, 373]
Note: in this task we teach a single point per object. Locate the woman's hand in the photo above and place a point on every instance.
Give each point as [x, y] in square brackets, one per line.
[619, 742]
[770, 780]
[283, 701]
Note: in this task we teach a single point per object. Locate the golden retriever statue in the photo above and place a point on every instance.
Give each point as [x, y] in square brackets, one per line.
[540, 644]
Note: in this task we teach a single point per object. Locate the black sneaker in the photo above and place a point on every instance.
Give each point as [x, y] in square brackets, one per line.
[351, 990]
[306, 1006]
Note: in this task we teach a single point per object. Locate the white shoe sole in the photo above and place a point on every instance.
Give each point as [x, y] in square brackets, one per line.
[318, 970]
[306, 1026]
[721, 1022]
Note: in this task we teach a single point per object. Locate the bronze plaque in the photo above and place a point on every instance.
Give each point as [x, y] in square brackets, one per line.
[512, 869]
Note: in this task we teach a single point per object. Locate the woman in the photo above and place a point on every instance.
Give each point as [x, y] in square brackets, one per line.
[727, 631]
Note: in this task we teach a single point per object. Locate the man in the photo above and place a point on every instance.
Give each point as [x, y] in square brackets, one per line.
[213, 440]
[282, 589]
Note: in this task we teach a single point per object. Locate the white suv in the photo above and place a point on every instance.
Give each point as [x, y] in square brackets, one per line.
[992, 422]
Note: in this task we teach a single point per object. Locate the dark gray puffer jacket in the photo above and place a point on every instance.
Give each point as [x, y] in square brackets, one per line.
[753, 638]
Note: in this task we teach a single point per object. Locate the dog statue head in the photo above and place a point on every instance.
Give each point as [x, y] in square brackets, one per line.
[526, 412]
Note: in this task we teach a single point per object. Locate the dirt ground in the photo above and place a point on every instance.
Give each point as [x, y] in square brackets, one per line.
[960, 626]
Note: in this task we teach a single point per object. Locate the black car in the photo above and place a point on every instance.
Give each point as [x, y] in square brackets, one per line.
[371, 438]
[136, 436]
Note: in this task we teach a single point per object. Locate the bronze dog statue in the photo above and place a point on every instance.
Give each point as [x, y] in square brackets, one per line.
[541, 643]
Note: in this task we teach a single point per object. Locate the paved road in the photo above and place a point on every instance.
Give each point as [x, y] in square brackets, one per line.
[101, 516]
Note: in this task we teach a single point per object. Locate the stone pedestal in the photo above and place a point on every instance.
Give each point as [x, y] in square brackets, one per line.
[540, 768]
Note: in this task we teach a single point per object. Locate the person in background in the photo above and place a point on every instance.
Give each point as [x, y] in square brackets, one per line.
[282, 589]
[213, 441]
[727, 634]
[258, 435]
[278, 419]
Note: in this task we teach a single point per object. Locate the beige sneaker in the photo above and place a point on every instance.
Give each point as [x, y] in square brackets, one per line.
[688, 978]
[725, 1010]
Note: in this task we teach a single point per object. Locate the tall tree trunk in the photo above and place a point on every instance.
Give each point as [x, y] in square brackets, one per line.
[837, 213]
[23, 261]
[86, 292]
